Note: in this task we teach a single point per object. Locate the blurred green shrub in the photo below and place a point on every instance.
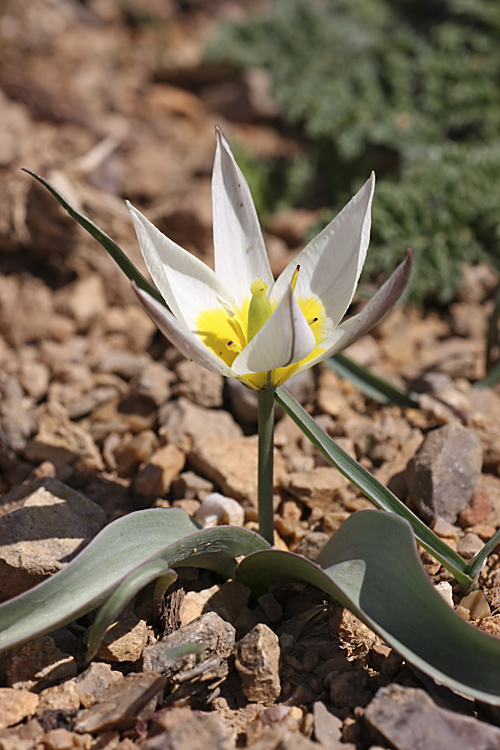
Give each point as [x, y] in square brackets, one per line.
[410, 88]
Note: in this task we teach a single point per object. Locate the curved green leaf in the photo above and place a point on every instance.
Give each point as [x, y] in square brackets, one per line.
[371, 566]
[372, 488]
[122, 595]
[479, 558]
[371, 385]
[104, 239]
[165, 533]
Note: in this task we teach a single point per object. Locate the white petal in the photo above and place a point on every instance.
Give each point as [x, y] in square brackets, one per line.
[180, 335]
[188, 285]
[353, 328]
[330, 265]
[284, 339]
[240, 254]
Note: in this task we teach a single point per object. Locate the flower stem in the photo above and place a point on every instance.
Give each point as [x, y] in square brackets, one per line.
[266, 460]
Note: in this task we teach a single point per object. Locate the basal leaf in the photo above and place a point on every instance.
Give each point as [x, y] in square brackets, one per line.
[371, 566]
[168, 534]
[372, 488]
[123, 594]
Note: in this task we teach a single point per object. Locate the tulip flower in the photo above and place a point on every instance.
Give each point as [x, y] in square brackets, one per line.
[240, 322]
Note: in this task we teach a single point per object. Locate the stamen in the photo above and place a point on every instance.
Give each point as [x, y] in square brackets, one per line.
[312, 320]
[233, 346]
[294, 279]
[227, 307]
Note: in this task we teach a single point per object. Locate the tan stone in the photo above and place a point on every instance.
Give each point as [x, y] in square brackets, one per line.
[16, 705]
[124, 640]
[182, 422]
[200, 386]
[156, 476]
[324, 486]
[257, 661]
[60, 440]
[232, 465]
[63, 697]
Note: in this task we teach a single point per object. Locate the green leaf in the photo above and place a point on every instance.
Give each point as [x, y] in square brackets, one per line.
[371, 566]
[123, 594]
[168, 534]
[372, 488]
[369, 384]
[479, 558]
[105, 240]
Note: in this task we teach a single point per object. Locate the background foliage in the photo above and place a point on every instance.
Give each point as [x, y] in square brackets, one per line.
[409, 88]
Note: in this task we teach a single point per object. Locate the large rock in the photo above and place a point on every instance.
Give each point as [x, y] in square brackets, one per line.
[42, 526]
[444, 472]
[182, 421]
[410, 720]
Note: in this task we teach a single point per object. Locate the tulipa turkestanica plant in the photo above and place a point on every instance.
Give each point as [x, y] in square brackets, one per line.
[238, 321]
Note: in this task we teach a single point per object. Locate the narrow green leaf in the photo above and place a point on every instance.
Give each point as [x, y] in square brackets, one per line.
[122, 595]
[168, 534]
[371, 385]
[105, 240]
[371, 566]
[479, 558]
[372, 488]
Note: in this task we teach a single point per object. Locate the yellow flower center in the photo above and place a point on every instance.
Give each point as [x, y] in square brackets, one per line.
[226, 332]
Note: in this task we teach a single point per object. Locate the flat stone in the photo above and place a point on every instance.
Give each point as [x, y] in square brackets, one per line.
[257, 661]
[62, 441]
[15, 706]
[181, 421]
[38, 663]
[119, 705]
[200, 386]
[231, 464]
[323, 487]
[425, 725]
[47, 524]
[444, 472]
